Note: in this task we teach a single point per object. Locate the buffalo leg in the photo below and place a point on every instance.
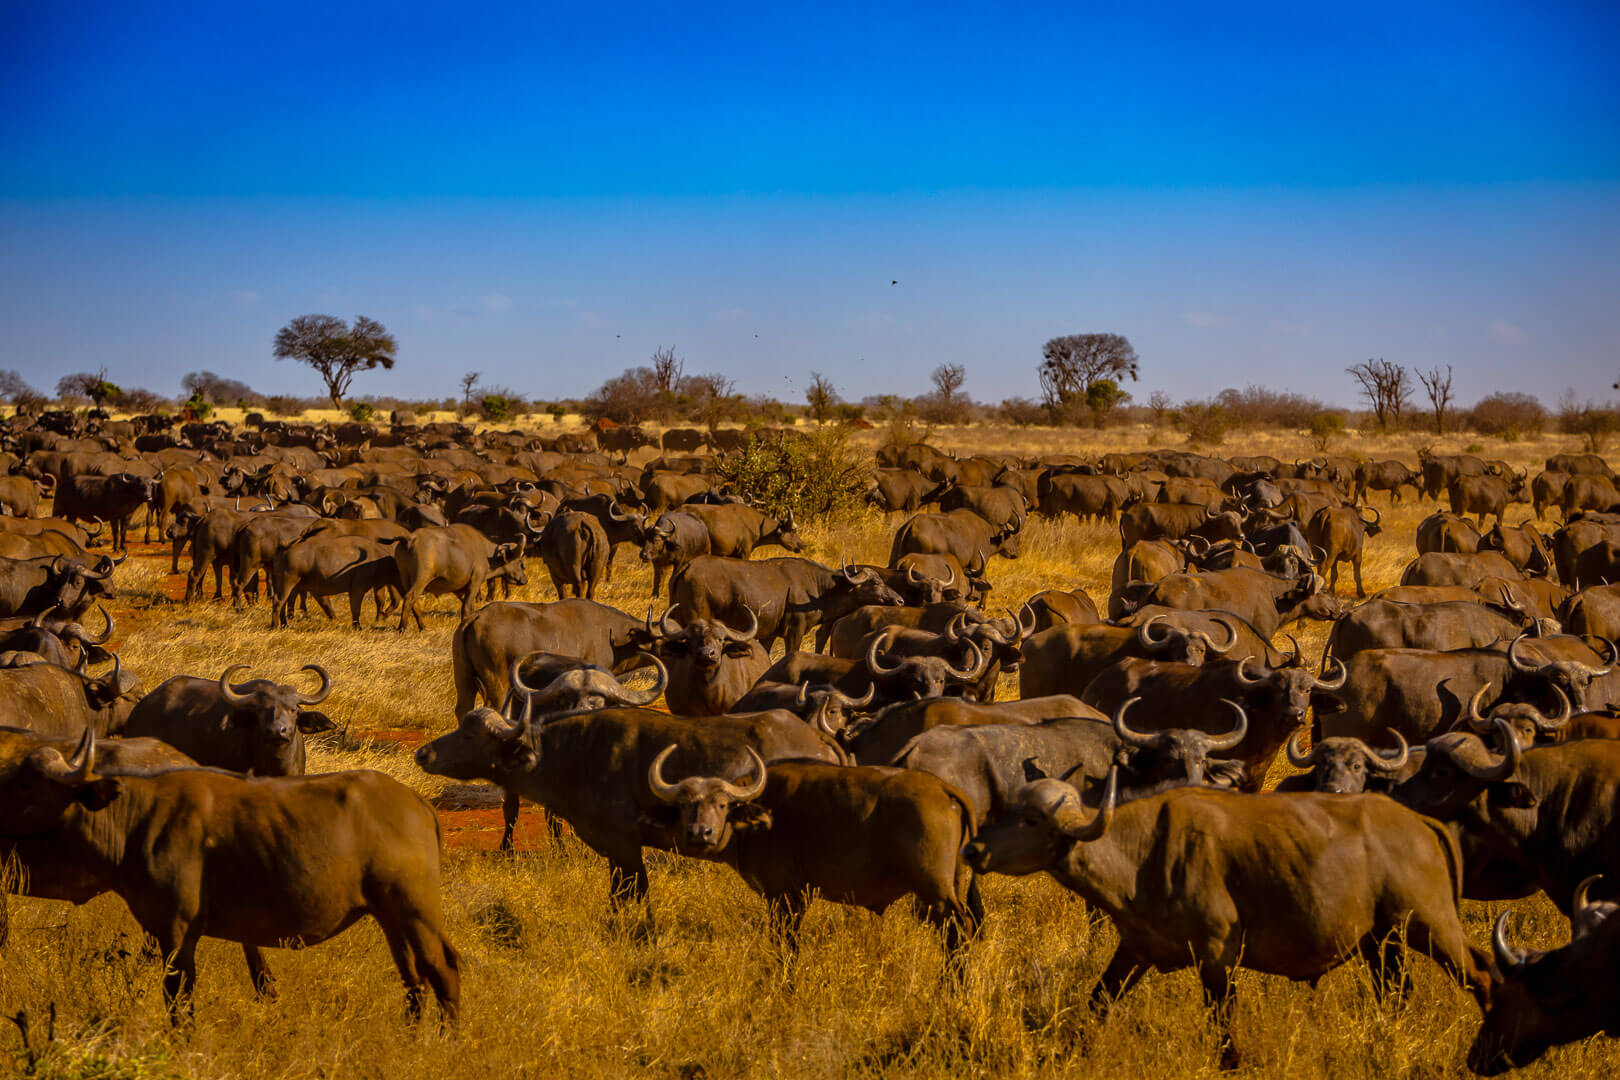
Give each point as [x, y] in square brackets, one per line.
[1123, 971]
[1355, 565]
[1217, 983]
[409, 973]
[263, 979]
[509, 818]
[179, 949]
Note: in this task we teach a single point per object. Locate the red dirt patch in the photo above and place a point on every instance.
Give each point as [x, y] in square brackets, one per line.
[480, 830]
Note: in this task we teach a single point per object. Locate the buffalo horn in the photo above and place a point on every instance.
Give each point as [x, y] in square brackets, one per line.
[1507, 957]
[756, 786]
[1128, 736]
[326, 686]
[1239, 729]
[229, 693]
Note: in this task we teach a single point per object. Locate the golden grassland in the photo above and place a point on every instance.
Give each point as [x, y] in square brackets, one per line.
[554, 986]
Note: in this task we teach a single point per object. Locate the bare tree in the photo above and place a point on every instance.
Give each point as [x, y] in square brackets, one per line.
[469, 383]
[336, 350]
[948, 379]
[1438, 387]
[713, 397]
[1072, 363]
[1159, 403]
[14, 390]
[821, 396]
[1386, 388]
[667, 369]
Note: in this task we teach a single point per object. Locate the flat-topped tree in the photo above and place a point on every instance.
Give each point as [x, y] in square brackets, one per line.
[335, 349]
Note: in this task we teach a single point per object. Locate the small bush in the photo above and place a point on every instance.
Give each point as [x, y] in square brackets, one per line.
[283, 405]
[815, 474]
[362, 412]
[1022, 412]
[197, 407]
[1205, 422]
[1508, 416]
[1595, 424]
[1324, 427]
[557, 410]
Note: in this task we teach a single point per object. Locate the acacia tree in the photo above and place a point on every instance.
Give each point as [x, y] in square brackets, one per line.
[86, 384]
[1386, 388]
[1071, 365]
[1438, 387]
[821, 396]
[14, 390]
[336, 350]
[667, 369]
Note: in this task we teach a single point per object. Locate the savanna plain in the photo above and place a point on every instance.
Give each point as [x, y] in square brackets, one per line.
[555, 986]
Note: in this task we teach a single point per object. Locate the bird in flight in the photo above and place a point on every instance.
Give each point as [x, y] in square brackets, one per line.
[894, 282]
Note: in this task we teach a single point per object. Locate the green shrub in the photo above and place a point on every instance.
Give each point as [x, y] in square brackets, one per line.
[1205, 422]
[819, 473]
[1324, 428]
[557, 410]
[362, 412]
[496, 408]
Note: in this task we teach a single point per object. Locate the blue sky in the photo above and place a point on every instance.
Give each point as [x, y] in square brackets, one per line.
[546, 194]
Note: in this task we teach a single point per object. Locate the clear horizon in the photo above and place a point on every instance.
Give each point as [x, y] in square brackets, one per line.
[546, 196]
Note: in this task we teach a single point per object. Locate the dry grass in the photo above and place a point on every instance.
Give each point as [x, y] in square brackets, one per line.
[555, 987]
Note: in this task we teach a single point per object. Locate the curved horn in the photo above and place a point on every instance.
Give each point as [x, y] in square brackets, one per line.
[1614, 655]
[881, 641]
[1296, 758]
[226, 691]
[669, 627]
[756, 786]
[1475, 719]
[84, 756]
[1231, 637]
[1242, 673]
[1104, 816]
[106, 634]
[1391, 762]
[957, 626]
[662, 789]
[1022, 631]
[1330, 684]
[1131, 737]
[1513, 655]
[326, 686]
[1547, 723]
[1580, 902]
[1377, 518]
[615, 513]
[1144, 633]
[744, 635]
[1507, 957]
[1502, 769]
[1293, 656]
[847, 702]
[650, 695]
[980, 662]
[911, 574]
[1239, 729]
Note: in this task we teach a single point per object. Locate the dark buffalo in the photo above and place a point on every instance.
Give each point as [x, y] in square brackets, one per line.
[789, 596]
[860, 835]
[577, 554]
[256, 727]
[455, 559]
[962, 533]
[1291, 885]
[671, 543]
[195, 853]
[486, 645]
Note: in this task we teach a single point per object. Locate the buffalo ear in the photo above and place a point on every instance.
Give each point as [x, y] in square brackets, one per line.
[1512, 794]
[518, 754]
[97, 794]
[310, 721]
[749, 817]
[739, 648]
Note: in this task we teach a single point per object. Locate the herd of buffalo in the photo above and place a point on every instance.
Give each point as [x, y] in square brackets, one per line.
[1459, 738]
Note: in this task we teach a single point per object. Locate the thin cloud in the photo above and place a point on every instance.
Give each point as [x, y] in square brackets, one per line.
[245, 298]
[1507, 333]
[1206, 320]
[496, 302]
